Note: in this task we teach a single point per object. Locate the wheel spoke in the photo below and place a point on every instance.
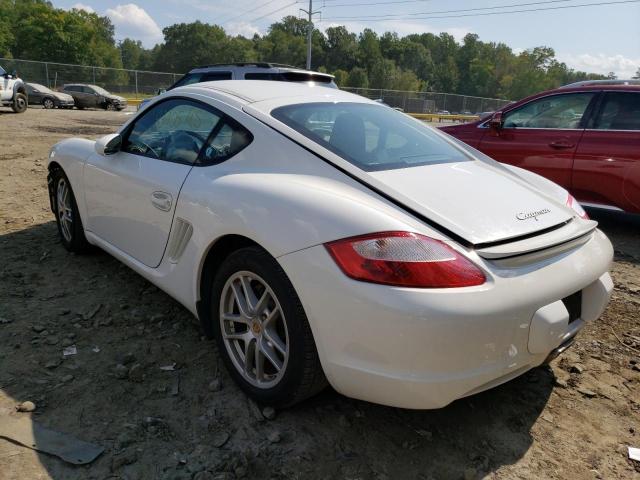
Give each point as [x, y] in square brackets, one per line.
[240, 300]
[271, 355]
[249, 294]
[236, 336]
[273, 337]
[259, 361]
[249, 354]
[235, 317]
[271, 316]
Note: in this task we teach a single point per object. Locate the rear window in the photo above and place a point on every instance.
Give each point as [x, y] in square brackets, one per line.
[289, 77]
[199, 77]
[371, 137]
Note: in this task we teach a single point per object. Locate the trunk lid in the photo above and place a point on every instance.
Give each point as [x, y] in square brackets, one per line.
[476, 201]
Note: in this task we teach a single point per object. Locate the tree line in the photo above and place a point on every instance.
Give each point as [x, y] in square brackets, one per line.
[35, 30]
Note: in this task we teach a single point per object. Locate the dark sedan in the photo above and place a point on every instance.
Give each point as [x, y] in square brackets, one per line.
[92, 96]
[41, 95]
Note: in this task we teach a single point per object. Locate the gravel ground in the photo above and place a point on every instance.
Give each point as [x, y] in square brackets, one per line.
[573, 419]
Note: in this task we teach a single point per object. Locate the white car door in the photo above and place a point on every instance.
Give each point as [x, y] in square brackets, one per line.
[131, 195]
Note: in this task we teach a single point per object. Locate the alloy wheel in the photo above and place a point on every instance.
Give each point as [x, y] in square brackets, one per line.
[48, 103]
[65, 212]
[254, 329]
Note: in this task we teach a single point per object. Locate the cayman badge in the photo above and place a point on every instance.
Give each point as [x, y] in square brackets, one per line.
[534, 215]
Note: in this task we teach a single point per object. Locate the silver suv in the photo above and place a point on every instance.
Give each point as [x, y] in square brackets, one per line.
[251, 71]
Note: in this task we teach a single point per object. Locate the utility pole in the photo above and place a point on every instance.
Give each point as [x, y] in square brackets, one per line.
[310, 13]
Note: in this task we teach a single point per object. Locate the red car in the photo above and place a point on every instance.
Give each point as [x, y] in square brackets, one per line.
[585, 137]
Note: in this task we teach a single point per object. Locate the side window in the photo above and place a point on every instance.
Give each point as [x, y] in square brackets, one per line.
[620, 111]
[88, 90]
[558, 111]
[214, 76]
[174, 130]
[229, 138]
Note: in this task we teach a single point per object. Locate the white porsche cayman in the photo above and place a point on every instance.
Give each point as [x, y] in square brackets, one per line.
[320, 236]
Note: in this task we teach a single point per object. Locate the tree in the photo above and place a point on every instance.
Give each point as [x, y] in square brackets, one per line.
[358, 78]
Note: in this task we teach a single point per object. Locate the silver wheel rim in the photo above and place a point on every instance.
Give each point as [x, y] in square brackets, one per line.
[254, 329]
[65, 213]
[48, 103]
[111, 106]
[20, 103]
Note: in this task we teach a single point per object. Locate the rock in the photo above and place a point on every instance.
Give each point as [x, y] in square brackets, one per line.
[215, 385]
[577, 368]
[470, 474]
[559, 382]
[92, 313]
[128, 358]
[547, 417]
[240, 472]
[52, 340]
[274, 437]
[220, 438]
[586, 392]
[204, 476]
[27, 406]
[105, 322]
[121, 371]
[51, 364]
[136, 373]
[4, 321]
[67, 342]
[269, 413]
[126, 458]
[67, 378]
[38, 328]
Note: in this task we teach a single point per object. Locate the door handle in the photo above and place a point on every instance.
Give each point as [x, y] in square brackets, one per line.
[161, 200]
[562, 144]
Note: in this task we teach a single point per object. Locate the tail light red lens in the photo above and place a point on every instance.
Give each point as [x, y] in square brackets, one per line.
[404, 259]
[573, 204]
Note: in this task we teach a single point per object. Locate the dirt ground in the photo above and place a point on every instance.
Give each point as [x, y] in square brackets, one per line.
[573, 419]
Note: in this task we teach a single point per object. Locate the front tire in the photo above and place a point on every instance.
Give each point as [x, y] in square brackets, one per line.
[110, 107]
[48, 103]
[262, 331]
[19, 104]
[67, 217]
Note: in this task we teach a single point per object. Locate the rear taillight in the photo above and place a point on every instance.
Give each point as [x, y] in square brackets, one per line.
[573, 204]
[404, 259]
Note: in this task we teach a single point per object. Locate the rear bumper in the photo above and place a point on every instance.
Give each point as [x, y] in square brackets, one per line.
[415, 348]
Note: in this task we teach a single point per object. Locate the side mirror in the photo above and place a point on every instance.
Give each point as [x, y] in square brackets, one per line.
[109, 144]
[161, 91]
[496, 122]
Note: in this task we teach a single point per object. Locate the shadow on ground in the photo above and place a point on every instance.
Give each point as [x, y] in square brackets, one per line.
[173, 424]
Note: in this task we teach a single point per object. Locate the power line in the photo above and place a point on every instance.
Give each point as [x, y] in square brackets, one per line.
[413, 17]
[441, 11]
[394, 2]
[278, 10]
[253, 9]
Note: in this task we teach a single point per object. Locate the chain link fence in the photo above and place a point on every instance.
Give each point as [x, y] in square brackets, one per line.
[140, 84]
[431, 102]
[130, 83]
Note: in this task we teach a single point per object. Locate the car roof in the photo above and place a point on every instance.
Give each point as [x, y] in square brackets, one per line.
[253, 91]
[256, 66]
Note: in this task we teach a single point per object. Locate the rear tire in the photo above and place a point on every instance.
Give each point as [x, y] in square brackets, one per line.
[19, 104]
[275, 334]
[48, 103]
[67, 216]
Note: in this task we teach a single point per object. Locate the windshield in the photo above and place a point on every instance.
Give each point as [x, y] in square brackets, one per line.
[99, 90]
[39, 87]
[372, 137]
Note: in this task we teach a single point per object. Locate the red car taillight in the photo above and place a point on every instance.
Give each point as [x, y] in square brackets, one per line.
[576, 207]
[404, 259]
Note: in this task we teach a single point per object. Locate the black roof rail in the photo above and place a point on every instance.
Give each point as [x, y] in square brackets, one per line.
[247, 64]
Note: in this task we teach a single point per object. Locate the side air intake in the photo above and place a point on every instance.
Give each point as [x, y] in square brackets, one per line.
[180, 236]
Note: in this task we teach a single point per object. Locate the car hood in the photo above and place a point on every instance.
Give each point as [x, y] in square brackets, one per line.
[64, 97]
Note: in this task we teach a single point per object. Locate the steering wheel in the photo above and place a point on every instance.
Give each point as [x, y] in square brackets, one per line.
[185, 140]
[137, 148]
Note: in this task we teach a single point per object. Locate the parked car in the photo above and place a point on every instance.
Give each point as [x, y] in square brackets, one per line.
[323, 237]
[585, 138]
[250, 71]
[443, 112]
[41, 95]
[92, 96]
[13, 92]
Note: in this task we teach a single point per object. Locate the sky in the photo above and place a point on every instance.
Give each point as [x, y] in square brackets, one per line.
[598, 39]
